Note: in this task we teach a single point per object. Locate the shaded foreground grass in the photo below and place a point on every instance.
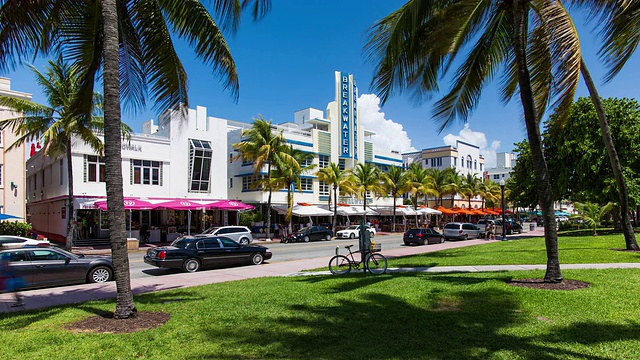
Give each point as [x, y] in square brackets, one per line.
[399, 316]
[528, 251]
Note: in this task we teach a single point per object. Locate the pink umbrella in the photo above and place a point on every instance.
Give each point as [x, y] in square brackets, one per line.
[229, 205]
[182, 204]
[129, 204]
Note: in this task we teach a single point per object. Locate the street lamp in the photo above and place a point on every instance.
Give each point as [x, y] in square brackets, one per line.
[504, 224]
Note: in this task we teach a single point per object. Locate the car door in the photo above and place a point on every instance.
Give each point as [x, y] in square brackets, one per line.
[19, 264]
[54, 268]
[233, 251]
[432, 237]
[210, 252]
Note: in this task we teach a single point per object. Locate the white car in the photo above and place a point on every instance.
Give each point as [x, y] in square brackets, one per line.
[353, 232]
[17, 242]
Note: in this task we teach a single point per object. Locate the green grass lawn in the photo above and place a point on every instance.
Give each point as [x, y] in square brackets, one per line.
[360, 316]
[528, 251]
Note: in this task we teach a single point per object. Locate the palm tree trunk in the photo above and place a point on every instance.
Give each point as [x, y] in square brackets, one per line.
[71, 224]
[543, 183]
[623, 191]
[268, 232]
[125, 307]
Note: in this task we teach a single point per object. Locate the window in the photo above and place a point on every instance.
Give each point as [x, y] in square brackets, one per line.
[94, 170]
[247, 182]
[462, 161]
[323, 161]
[475, 164]
[308, 160]
[306, 184]
[496, 176]
[230, 183]
[342, 164]
[455, 161]
[61, 170]
[324, 189]
[200, 154]
[469, 161]
[146, 172]
[435, 162]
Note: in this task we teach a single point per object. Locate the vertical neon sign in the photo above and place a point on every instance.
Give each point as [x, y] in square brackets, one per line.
[348, 99]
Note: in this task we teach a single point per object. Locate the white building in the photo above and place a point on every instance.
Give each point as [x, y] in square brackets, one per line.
[505, 162]
[12, 163]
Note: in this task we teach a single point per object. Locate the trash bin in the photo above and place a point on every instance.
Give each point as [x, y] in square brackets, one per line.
[532, 226]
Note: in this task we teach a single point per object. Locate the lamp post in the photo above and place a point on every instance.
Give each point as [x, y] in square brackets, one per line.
[504, 224]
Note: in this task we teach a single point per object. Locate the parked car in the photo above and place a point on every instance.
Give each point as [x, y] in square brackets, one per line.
[191, 253]
[240, 234]
[462, 231]
[482, 223]
[16, 242]
[353, 231]
[512, 227]
[422, 236]
[50, 266]
[310, 233]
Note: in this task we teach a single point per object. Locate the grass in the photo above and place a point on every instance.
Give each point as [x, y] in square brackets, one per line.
[572, 249]
[398, 316]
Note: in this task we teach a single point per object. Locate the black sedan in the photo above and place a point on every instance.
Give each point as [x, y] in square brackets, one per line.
[422, 236]
[311, 233]
[44, 267]
[190, 253]
[513, 227]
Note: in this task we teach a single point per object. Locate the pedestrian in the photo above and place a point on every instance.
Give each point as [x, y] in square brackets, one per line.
[276, 230]
[492, 231]
[487, 230]
[10, 282]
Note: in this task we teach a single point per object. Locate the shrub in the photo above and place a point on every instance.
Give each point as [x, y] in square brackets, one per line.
[15, 228]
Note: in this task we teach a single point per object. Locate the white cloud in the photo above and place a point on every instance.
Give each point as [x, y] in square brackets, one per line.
[390, 135]
[479, 139]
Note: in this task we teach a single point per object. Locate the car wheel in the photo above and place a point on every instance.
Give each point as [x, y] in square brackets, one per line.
[191, 265]
[257, 258]
[352, 236]
[244, 241]
[406, 243]
[328, 237]
[100, 274]
[306, 239]
[441, 240]
[425, 242]
[466, 236]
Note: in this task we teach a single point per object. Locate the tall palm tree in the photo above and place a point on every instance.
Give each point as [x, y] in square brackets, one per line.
[54, 124]
[438, 181]
[262, 146]
[339, 180]
[490, 191]
[288, 171]
[454, 186]
[396, 182]
[416, 44]
[471, 187]
[367, 177]
[417, 178]
[97, 35]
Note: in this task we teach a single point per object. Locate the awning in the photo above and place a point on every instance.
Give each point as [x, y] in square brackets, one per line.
[7, 216]
[400, 210]
[85, 203]
[428, 211]
[303, 210]
[181, 204]
[446, 211]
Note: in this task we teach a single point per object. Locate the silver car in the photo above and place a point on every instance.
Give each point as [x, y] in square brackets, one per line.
[240, 234]
[461, 231]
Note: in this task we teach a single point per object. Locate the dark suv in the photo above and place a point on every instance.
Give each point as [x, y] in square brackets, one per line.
[311, 233]
[422, 236]
[512, 227]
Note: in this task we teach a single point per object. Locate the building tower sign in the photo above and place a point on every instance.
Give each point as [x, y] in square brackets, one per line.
[347, 97]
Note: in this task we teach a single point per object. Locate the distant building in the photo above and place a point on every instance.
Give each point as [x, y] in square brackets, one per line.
[505, 162]
[12, 163]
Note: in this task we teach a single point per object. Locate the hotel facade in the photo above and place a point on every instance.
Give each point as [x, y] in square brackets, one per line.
[187, 155]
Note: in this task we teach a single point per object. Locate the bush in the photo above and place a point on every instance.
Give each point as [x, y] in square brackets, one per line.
[247, 218]
[15, 228]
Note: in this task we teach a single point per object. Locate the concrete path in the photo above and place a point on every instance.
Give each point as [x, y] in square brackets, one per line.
[42, 298]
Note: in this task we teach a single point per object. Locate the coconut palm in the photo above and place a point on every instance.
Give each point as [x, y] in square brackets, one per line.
[261, 146]
[339, 180]
[396, 183]
[289, 168]
[471, 187]
[592, 213]
[490, 192]
[54, 124]
[367, 178]
[438, 182]
[415, 46]
[417, 179]
[454, 186]
[97, 35]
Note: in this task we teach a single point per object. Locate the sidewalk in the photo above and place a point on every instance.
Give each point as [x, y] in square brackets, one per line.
[42, 298]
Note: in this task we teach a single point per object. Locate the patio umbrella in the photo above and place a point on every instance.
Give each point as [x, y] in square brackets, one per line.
[129, 204]
[182, 204]
[229, 205]
[7, 216]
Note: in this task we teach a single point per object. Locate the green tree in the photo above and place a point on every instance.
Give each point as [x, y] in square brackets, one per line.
[438, 180]
[288, 171]
[471, 187]
[339, 180]
[417, 178]
[261, 147]
[55, 124]
[396, 183]
[592, 213]
[97, 35]
[367, 178]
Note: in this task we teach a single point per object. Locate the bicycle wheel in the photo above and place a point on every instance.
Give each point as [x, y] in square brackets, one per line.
[339, 265]
[377, 263]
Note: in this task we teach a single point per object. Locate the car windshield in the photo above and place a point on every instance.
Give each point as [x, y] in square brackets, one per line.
[210, 230]
[181, 243]
[352, 227]
[452, 226]
[304, 229]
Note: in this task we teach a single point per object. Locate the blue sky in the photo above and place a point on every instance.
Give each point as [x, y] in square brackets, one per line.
[286, 62]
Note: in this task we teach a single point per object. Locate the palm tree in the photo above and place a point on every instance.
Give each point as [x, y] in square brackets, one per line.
[367, 177]
[261, 147]
[471, 187]
[416, 44]
[288, 171]
[454, 186]
[438, 182]
[490, 191]
[97, 35]
[339, 180]
[55, 124]
[417, 178]
[396, 182]
[592, 213]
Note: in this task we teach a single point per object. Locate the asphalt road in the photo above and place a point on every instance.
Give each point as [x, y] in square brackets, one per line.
[281, 252]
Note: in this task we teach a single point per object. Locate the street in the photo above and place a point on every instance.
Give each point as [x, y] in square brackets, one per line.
[281, 252]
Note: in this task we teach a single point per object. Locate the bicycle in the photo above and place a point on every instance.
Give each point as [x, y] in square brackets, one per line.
[374, 262]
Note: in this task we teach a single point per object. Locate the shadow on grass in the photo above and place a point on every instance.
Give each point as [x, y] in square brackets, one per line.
[19, 320]
[440, 325]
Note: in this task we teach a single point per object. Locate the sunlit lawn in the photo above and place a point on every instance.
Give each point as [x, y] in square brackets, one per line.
[359, 316]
